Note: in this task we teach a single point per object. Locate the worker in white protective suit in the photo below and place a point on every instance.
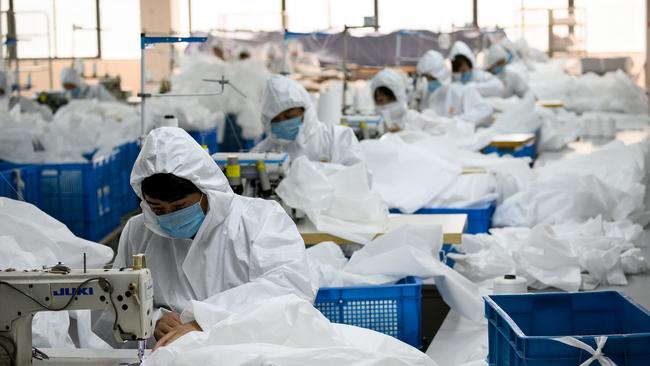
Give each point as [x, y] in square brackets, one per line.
[464, 71]
[497, 63]
[76, 88]
[8, 102]
[205, 245]
[389, 94]
[292, 126]
[453, 100]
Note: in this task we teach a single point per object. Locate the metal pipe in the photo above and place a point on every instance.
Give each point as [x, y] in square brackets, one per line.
[142, 92]
[475, 13]
[99, 34]
[344, 67]
[376, 16]
[189, 14]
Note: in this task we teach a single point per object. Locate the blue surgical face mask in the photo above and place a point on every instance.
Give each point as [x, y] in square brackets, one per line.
[433, 85]
[288, 129]
[496, 70]
[463, 78]
[509, 57]
[75, 92]
[184, 223]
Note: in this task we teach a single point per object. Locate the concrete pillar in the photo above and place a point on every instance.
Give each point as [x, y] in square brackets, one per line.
[159, 18]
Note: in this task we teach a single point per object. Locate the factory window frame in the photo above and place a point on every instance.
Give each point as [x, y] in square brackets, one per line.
[75, 20]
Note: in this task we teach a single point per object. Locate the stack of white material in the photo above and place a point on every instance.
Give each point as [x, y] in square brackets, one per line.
[81, 127]
[248, 76]
[30, 239]
[612, 92]
[610, 182]
[191, 115]
[569, 256]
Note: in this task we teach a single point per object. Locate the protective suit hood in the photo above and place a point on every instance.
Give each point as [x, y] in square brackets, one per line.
[282, 93]
[172, 150]
[461, 48]
[433, 63]
[71, 76]
[495, 54]
[392, 80]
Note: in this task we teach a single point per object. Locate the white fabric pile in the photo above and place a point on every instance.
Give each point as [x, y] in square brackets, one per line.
[248, 76]
[80, 127]
[414, 170]
[284, 330]
[612, 92]
[410, 250]
[191, 115]
[30, 239]
[337, 199]
[568, 256]
[610, 182]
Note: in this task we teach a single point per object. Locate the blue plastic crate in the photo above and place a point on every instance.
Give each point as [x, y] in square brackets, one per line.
[479, 217]
[526, 151]
[127, 155]
[21, 183]
[85, 197]
[390, 309]
[521, 328]
[208, 139]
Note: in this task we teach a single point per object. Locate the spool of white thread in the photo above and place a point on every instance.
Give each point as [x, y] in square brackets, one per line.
[510, 284]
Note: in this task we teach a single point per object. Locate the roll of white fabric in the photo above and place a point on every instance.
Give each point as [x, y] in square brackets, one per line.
[329, 106]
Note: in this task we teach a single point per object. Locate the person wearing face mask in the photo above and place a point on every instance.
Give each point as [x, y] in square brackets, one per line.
[453, 100]
[27, 106]
[75, 88]
[388, 89]
[205, 245]
[292, 126]
[462, 66]
[497, 64]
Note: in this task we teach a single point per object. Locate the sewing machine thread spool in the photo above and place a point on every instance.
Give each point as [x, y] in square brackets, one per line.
[233, 173]
[510, 284]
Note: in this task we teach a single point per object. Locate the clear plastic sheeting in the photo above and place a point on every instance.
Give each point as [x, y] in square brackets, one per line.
[337, 199]
[285, 331]
[567, 256]
[31, 239]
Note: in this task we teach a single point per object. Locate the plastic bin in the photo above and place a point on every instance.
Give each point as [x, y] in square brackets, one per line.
[207, 138]
[479, 217]
[521, 328]
[85, 197]
[127, 154]
[390, 309]
[21, 183]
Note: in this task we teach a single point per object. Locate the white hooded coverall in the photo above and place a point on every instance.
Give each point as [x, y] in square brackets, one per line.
[485, 83]
[98, 91]
[247, 249]
[453, 100]
[316, 140]
[513, 83]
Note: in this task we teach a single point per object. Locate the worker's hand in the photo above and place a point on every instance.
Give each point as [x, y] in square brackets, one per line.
[166, 324]
[178, 332]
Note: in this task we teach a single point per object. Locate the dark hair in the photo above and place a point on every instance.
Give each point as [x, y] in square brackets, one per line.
[167, 187]
[385, 91]
[458, 61]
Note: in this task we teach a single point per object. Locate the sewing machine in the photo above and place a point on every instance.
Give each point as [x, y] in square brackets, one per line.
[365, 127]
[253, 174]
[127, 292]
